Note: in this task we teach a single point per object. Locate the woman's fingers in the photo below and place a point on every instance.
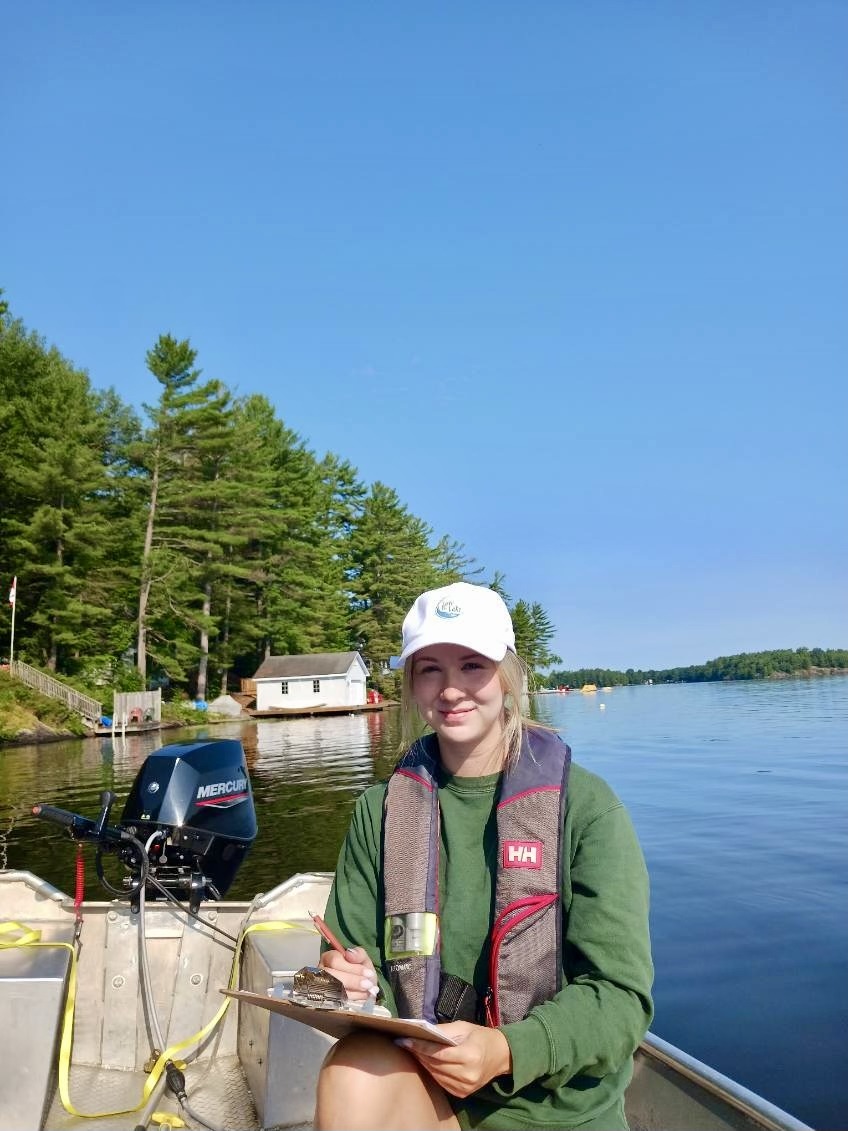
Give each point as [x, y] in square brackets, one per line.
[354, 969]
[461, 1069]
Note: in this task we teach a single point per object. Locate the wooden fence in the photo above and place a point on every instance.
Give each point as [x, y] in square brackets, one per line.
[137, 707]
[89, 708]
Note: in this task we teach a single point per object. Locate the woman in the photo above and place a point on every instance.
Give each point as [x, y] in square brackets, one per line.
[492, 881]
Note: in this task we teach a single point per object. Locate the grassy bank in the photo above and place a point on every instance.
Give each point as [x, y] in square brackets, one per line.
[28, 716]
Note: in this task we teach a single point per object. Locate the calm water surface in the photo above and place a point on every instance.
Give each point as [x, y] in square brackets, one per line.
[737, 792]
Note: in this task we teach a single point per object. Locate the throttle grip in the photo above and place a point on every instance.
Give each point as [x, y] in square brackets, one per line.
[63, 817]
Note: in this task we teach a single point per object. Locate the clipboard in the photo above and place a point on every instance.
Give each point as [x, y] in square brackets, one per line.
[340, 1022]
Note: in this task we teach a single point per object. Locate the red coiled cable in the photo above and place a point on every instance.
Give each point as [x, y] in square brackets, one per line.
[79, 894]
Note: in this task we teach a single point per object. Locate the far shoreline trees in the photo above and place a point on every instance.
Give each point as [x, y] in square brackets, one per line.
[745, 665]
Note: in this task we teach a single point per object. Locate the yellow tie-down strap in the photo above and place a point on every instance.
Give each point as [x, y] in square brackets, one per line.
[21, 935]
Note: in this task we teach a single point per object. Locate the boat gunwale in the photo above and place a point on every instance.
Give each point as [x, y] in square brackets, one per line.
[768, 1115]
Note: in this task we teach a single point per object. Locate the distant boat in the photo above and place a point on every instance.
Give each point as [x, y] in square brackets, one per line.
[606, 689]
[589, 688]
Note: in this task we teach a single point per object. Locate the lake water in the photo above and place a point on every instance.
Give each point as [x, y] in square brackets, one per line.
[738, 793]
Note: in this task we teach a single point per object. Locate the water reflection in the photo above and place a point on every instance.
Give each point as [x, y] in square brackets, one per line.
[314, 744]
[306, 775]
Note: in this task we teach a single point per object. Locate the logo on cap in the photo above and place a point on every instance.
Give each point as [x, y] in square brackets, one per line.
[448, 609]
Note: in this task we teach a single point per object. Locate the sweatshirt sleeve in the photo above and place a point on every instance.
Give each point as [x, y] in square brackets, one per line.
[353, 908]
[596, 1021]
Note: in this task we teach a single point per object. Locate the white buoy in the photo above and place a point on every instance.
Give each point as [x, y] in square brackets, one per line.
[603, 706]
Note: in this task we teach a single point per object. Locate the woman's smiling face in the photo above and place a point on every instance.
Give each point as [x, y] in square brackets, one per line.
[459, 694]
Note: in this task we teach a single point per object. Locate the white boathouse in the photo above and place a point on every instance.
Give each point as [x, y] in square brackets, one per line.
[319, 679]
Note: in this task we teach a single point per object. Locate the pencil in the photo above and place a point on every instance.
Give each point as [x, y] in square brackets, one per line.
[325, 932]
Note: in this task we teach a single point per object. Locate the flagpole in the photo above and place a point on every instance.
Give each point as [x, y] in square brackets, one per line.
[13, 599]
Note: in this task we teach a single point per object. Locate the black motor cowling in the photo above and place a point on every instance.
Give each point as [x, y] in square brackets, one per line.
[197, 796]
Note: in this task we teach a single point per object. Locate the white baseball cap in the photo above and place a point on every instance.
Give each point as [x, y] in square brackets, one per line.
[472, 616]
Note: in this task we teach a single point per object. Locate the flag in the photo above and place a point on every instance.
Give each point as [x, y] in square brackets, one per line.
[13, 590]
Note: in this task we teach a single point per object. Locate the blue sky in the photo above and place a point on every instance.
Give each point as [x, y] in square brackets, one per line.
[571, 277]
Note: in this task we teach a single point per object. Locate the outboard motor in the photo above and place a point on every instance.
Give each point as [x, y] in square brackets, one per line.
[197, 794]
[187, 825]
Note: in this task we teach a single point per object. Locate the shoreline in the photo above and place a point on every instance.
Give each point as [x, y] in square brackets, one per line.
[46, 734]
[806, 673]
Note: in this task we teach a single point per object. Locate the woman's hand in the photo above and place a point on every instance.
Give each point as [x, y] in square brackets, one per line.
[354, 969]
[480, 1056]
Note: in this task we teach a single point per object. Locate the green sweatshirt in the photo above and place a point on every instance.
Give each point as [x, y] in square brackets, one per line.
[572, 1056]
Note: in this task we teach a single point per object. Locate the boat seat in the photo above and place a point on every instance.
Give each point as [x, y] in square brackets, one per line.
[281, 1058]
[32, 999]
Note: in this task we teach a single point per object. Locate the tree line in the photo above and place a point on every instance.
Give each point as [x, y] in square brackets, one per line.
[745, 665]
[185, 544]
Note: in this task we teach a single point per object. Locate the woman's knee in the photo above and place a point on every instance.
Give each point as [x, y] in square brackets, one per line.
[368, 1053]
[367, 1081]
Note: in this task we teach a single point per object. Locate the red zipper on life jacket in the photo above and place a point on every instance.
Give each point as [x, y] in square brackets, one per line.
[512, 916]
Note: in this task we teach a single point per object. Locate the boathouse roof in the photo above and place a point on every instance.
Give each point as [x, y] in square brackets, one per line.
[313, 664]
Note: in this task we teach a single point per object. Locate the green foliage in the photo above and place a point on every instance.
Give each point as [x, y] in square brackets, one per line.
[388, 682]
[56, 527]
[101, 677]
[390, 563]
[209, 536]
[301, 601]
[25, 712]
[199, 539]
[533, 634]
[182, 711]
[183, 462]
[453, 563]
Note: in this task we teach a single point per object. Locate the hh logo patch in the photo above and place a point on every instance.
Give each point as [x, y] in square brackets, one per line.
[522, 854]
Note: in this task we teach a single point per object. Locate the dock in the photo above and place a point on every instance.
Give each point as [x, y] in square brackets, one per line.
[307, 711]
[121, 729]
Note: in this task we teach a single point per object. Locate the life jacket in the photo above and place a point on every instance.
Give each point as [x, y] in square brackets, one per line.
[525, 966]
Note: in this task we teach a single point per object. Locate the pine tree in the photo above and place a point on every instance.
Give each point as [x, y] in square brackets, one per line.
[543, 634]
[391, 563]
[187, 456]
[54, 525]
[533, 634]
[452, 562]
[295, 597]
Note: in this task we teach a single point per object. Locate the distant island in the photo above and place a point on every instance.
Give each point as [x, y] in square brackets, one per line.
[782, 664]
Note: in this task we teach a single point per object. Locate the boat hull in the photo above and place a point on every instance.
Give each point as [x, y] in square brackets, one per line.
[256, 1069]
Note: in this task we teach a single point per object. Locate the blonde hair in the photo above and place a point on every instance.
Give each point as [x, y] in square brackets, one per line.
[515, 680]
